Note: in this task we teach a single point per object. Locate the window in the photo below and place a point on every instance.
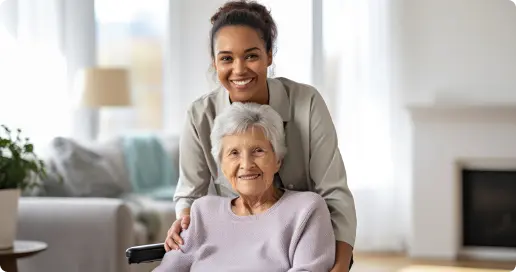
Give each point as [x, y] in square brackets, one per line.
[132, 33]
[293, 58]
[33, 74]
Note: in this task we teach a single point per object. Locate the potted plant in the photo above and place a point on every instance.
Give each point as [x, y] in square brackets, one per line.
[19, 169]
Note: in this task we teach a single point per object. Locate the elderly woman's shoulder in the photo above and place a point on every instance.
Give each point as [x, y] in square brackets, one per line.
[305, 199]
[207, 202]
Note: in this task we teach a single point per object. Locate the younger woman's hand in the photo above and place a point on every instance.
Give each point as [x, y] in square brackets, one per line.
[173, 239]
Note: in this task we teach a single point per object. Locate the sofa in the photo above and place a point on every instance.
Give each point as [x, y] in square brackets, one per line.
[86, 225]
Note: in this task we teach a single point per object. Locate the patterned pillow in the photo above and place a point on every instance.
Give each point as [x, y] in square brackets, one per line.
[85, 172]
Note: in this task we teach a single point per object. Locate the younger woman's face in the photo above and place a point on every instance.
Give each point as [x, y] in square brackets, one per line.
[241, 62]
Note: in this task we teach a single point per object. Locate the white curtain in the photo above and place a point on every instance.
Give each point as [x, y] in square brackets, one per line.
[42, 45]
[33, 72]
[357, 57]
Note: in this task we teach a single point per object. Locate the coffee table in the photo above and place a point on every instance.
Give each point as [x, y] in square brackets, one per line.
[21, 249]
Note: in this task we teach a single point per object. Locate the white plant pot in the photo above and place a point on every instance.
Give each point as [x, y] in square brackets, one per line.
[8, 217]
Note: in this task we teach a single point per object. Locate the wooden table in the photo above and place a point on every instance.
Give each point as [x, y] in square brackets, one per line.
[21, 249]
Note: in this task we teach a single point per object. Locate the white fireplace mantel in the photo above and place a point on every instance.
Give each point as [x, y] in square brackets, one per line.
[457, 112]
[444, 139]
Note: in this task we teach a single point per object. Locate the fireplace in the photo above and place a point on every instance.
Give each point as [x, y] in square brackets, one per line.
[461, 159]
[489, 208]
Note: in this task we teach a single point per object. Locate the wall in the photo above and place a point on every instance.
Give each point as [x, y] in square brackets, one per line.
[188, 58]
[454, 53]
[444, 140]
[462, 50]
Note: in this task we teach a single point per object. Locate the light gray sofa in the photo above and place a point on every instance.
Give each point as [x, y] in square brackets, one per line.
[92, 233]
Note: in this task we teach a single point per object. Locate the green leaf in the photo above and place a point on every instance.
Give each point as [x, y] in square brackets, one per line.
[18, 163]
[29, 148]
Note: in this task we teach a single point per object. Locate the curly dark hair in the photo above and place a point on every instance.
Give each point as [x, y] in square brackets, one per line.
[245, 13]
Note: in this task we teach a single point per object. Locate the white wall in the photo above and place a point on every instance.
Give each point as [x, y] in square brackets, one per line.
[447, 52]
[444, 141]
[293, 57]
[465, 49]
[189, 58]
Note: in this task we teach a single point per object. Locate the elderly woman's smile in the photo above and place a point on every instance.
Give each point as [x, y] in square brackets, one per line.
[249, 176]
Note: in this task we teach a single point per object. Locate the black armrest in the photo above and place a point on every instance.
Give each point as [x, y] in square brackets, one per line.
[145, 253]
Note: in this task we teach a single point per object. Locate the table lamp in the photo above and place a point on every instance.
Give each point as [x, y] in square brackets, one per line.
[104, 87]
[100, 87]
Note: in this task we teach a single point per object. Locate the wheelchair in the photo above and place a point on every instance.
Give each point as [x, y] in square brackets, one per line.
[145, 253]
[155, 252]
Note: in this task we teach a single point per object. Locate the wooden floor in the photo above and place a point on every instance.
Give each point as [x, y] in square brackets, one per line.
[399, 263]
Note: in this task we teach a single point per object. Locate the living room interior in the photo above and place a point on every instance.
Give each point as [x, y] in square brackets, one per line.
[421, 92]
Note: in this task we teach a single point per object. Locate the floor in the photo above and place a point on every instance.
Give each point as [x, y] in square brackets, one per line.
[400, 263]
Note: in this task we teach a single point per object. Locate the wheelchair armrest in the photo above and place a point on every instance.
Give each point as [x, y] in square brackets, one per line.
[145, 253]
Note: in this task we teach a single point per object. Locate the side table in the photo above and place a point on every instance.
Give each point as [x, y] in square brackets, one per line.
[21, 249]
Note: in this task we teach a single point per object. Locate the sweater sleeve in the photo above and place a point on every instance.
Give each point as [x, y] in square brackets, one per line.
[315, 249]
[176, 261]
[328, 172]
[181, 260]
[194, 174]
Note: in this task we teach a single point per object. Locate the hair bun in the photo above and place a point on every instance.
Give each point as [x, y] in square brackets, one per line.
[243, 5]
[249, 13]
[260, 10]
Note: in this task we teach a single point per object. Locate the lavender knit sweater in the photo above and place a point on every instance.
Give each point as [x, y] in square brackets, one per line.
[295, 234]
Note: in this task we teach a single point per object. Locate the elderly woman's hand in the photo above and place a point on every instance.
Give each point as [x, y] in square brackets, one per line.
[173, 239]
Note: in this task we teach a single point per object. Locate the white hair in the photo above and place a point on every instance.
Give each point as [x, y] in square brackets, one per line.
[239, 117]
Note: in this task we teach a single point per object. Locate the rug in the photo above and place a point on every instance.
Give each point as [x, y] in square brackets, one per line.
[434, 268]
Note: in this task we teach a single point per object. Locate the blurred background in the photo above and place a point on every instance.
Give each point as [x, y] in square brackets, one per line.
[420, 91]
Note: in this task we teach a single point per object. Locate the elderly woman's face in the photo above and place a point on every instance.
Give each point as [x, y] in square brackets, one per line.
[249, 162]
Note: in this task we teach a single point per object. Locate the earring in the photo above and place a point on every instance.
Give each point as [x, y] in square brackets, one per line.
[214, 77]
[271, 71]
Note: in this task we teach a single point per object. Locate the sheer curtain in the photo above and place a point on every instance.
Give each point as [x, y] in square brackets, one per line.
[292, 57]
[33, 72]
[42, 45]
[132, 34]
[357, 62]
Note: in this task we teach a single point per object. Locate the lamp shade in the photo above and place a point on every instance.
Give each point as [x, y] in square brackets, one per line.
[103, 87]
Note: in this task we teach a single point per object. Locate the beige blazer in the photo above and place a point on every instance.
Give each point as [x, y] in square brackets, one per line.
[313, 161]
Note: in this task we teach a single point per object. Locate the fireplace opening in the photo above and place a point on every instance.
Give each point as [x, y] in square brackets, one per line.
[489, 208]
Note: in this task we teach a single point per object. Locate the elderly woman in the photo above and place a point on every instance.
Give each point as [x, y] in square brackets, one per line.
[265, 228]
